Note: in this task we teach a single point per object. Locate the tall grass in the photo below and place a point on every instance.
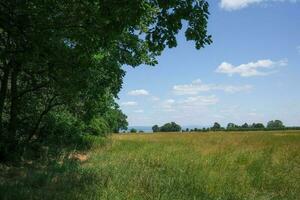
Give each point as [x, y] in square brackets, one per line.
[206, 166]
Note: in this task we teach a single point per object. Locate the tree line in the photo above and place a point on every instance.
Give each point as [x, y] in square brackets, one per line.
[271, 125]
[61, 64]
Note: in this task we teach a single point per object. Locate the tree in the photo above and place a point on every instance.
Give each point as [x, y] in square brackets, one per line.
[216, 126]
[98, 126]
[116, 119]
[275, 124]
[133, 130]
[170, 127]
[257, 125]
[245, 125]
[231, 126]
[59, 56]
[155, 128]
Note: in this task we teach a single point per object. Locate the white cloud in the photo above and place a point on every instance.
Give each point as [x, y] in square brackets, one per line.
[234, 89]
[197, 101]
[239, 4]
[252, 113]
[198, 86]
[129, 103]
[189, 103]
[236, 4]
[258, 68]
[168, 105]
[139, 111]
[170, 101]
[154, 98]
[218, 116]
[140, 92]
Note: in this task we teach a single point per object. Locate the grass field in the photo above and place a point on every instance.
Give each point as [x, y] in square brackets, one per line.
[256, 165]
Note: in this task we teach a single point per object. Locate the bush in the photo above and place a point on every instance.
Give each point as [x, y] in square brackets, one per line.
[133, 130]
[60, 134]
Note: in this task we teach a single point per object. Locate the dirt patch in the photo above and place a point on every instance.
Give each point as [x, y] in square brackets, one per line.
[79, 156]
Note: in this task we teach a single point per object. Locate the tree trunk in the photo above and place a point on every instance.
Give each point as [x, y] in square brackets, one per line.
[3, 91]
[48, 108]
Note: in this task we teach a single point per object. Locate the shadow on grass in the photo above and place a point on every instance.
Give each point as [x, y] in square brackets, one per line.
[55, 174]
[55, 181]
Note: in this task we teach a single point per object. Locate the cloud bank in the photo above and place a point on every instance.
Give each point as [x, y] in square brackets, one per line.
[198, 86]
[129, 103]
[239, 4]
[258, 68]
[140, 92]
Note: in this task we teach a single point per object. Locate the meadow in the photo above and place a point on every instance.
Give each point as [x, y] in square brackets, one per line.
[221, 165]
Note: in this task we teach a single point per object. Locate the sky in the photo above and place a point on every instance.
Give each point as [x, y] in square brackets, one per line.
[250, 73]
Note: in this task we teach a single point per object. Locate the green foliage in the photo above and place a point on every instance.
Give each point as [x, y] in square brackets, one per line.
[133, 130]
[231, 126]
[257, 125]
[116, 120]
[275, 124]
[170, 127]
[155, 128]
[98, 126]
[59, 56]
[216, 127]
[245, 125]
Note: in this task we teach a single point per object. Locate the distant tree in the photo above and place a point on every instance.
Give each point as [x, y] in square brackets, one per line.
[216, 126]
[170, 127]
[141, 131]
[231, 126]
[133, 130]
[275, 124]
[187, 130]
[155, 128]
[257, 125]
[245, 125]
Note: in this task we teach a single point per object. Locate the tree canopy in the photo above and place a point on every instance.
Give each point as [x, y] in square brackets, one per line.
[63, 58]
[155, 128]
[275, 124]
[168, 127]
[216, 126]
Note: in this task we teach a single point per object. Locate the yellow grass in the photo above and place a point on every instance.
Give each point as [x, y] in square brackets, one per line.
[208, 166]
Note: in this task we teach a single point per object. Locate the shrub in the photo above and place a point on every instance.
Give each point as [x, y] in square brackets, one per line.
[133, 130]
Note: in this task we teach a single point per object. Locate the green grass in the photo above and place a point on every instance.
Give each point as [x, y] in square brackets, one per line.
[254, 165]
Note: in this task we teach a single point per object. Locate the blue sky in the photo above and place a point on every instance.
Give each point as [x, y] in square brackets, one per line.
[251, 72]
